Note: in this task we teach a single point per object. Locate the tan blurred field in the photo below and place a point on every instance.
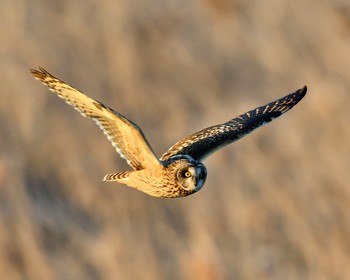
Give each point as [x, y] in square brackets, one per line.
[275, 205]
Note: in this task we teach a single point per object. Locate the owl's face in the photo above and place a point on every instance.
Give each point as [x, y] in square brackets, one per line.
[191, 178]
[189, 174]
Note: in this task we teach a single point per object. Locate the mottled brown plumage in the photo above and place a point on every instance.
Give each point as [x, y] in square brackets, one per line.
[179, 172]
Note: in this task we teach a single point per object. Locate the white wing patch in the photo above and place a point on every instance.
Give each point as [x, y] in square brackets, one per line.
[111, 138]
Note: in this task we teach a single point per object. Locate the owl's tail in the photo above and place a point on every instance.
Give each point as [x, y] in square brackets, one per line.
[117, 177]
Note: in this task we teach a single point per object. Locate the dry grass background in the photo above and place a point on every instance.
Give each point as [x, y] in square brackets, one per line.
[275, 205]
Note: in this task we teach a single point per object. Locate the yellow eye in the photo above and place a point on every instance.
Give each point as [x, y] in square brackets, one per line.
[187, 174]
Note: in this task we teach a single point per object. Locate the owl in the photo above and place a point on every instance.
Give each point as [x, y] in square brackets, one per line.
[180, 171]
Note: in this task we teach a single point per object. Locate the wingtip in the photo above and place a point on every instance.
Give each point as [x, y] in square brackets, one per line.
[36, 73]
[40, 73]
[301, 92]
[33, 71]
[304, 89]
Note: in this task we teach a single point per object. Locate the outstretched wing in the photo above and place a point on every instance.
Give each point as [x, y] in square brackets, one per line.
[125, 135]
[205, 142]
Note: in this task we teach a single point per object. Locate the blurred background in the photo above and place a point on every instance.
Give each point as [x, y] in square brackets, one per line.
[275, 204]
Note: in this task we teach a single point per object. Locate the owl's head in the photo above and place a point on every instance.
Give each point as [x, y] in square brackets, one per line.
[191, 177]
[190, 174]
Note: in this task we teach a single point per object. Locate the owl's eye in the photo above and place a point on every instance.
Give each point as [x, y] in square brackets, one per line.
[187, 174]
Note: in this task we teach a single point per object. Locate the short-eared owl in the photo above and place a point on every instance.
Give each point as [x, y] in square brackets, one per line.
[179, 172]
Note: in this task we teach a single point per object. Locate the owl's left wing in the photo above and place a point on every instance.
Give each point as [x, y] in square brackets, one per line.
[205, 142]
[126, 136]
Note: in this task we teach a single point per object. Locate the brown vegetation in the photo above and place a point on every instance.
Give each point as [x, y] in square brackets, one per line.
[275, 204]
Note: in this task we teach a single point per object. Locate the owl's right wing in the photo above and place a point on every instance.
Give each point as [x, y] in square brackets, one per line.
[126, 136]
[205, 142]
